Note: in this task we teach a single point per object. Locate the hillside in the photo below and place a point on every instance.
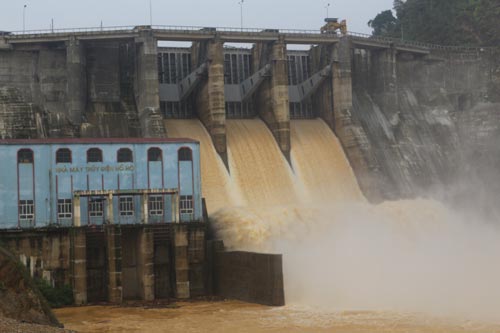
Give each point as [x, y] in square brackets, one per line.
[458, 22]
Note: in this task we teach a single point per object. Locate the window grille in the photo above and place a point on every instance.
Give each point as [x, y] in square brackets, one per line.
[185, 154]
[63, 155]
[94, 155]
[127, 206]
[96, 207]
[64, 208]
[25, 156]
[154, 155]
[155, 205]
[26, 210]
[124, 155]
[186, 204]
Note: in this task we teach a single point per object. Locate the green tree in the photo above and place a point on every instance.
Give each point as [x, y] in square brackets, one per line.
[384, 24]
[457, 22]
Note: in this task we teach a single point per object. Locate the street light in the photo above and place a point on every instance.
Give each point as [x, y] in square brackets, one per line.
[150, 13]
[24, 17]
[326, 7]
[241, 13]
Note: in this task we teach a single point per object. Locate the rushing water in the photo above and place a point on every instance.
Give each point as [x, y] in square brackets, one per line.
[349, 266]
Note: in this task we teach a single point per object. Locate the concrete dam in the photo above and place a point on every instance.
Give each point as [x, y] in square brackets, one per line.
[351, 117]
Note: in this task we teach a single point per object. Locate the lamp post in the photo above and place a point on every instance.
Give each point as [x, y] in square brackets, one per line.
[327, 6]
[241, 13]
[24, 18]
[150, 13]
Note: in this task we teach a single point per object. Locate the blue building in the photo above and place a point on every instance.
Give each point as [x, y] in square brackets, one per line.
[78, 182]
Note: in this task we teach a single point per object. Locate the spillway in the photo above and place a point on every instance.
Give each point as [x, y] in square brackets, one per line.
[320, 164]
[260, 176]
[217, 188]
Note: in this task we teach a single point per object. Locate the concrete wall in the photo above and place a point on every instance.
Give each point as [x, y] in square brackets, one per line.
[250, 277]
[414, 110]
[209, 97]
[114, 263]
[271, 98]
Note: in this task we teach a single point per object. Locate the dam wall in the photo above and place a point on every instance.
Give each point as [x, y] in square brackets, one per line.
[401, 110]
[417, 114]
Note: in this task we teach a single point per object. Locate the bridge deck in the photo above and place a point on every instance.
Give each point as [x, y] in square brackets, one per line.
[234, 35]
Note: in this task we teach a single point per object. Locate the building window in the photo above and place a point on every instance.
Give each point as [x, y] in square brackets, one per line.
[63, 155]
[154, 155]
[64, 208]
[96, 207]
[25, 156]
[124, 155]
[126, 206]
[185, 154]
[186, 204]
[26, 210]
[94, 155]
[155, 205]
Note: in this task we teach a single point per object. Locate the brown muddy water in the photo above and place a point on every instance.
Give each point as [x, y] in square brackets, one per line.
[234, 316]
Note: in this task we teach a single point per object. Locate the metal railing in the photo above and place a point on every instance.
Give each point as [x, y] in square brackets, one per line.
[232, 30]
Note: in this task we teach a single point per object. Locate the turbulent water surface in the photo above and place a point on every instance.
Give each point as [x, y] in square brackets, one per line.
[233, 316]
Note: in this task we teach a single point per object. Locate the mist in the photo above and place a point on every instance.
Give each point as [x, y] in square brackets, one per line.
[414, 256]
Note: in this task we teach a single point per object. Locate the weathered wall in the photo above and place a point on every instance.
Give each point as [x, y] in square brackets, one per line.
[250, 277]
[271, 98]
[209, 96]
[32, 82]
[416, 111]
[72, 89]
[113, 263]
[333, 102]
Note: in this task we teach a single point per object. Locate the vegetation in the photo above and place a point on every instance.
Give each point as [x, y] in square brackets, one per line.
[445, 22]
[56, 296]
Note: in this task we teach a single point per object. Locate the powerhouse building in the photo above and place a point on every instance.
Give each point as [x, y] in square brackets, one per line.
[85, 182]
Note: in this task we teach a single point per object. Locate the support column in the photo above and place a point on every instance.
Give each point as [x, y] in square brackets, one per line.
[78, 260]
[144, 204]
[76, 80]
[145, 263]
[114, 253]
[339, 117]
[210, 101]
[181, 262]
[109, 209]
[147, 86]
[176, 217]
[384, 90]
[77, 220]
[272, 98]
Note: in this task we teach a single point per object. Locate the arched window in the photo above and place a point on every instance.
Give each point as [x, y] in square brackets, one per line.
[154, 155]
[25, 156]
[185, 154]
[63, 155]
[94, 155]
[124, 155]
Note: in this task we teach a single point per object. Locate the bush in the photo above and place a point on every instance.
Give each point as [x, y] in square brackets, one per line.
[56, 296]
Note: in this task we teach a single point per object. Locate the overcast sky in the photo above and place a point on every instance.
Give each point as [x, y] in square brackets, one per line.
[299, 14]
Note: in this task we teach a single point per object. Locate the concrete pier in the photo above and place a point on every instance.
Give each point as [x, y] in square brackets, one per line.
[79, 265]
[272, 96]
[147, 85]
[210, 102]
[181, 263]
[385, 86]
[114, 259]
[145, 263]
